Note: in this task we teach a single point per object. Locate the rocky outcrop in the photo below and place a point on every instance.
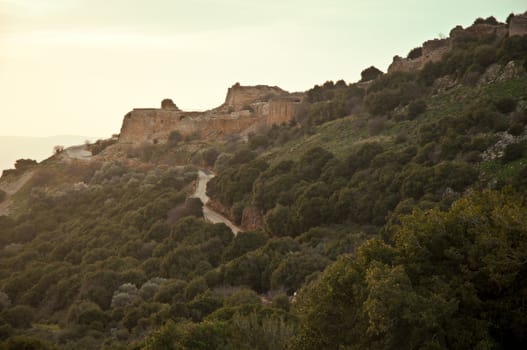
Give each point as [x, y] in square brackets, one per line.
[252, 219]
[498, 73]
[245, 107]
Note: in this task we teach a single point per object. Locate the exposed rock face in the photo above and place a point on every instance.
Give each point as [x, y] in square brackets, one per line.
[499, 73]
[433, 50]
[497, 150]
[251, 219]
[245, 107]
[444, 83]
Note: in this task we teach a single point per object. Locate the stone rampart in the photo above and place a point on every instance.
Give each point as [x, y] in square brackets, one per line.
[244, 108]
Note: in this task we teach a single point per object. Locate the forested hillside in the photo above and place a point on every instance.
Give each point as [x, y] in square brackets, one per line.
[390, 214]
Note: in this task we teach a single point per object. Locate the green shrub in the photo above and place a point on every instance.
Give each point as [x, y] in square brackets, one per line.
[415, 108]
[485, 55]
[244, 242]
[370, 73]
[195, 287]
[19, 316]
[505, 105]
[174, 138]
[514, 151]
[26, 343]
[278, 221]
[376, 126]
[430, 72]
[241, 297]
[489, 20]
[257, 141]
[515, 129]
[415, 53]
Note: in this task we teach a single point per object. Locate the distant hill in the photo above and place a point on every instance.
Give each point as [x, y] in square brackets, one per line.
[38, 148]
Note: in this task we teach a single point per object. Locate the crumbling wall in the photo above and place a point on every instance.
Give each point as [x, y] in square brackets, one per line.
[244, 107]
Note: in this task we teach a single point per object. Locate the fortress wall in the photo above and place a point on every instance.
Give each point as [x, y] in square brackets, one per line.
[155, 125]
[281, 111]
[433, 50]
[241, 96]
[400, 64]
[518, 25]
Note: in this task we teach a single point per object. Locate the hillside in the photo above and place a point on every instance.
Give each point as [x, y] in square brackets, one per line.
[389, 213]
[37, 148]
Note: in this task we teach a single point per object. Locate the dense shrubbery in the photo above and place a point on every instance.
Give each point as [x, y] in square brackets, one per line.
[370, 73]
[123, 259]
[392, 90]
[415, 53]
[416, 290]
[100, 145]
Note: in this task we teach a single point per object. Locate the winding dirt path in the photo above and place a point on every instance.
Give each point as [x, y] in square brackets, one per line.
[208, 213]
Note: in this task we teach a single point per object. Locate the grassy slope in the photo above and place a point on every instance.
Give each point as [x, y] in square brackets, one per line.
[342, 135]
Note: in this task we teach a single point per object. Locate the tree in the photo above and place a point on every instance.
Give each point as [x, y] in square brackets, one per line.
[505, 105]
[293, 270]
[244, 242]
[447, 280]
[26, 343]
[415, 108]
[242, 296]
[19, 316]
[514, 151]
[22, 164]
[370, 73]
[489, 20]
[195, 287]
[278, 221]
[415, 53]
[209, 156]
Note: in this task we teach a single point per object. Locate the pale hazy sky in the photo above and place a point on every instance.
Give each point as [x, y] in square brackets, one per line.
[77, 66]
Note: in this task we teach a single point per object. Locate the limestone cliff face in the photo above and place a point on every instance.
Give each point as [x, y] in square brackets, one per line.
[433, 50]
[245, 107]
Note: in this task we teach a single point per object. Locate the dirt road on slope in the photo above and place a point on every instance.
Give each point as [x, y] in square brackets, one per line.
[208, 213]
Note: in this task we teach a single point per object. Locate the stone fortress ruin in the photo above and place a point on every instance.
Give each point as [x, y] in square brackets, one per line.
[433, 50]
[246, 108]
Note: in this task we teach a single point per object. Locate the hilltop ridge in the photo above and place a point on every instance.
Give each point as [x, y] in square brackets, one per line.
[433, 50]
